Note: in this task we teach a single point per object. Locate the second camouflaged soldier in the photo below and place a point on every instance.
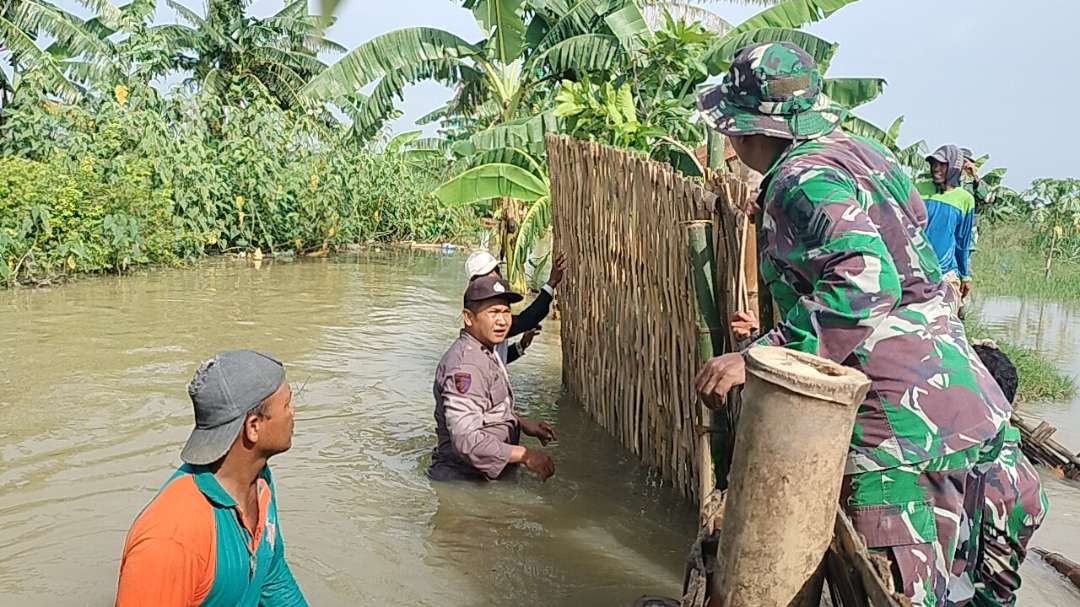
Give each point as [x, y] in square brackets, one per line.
[857, 282]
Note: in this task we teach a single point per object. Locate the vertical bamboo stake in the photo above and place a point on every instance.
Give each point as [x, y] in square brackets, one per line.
[709, 341]
[715, 144]
[1050, 253]
[751, 265]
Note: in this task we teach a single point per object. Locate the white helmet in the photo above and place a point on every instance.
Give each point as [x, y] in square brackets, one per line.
[480, 263]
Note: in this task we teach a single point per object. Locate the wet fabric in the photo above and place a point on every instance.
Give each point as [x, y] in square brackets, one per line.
[188, 547]
[856, 280]
[953, 282]
[1014, 507]
[474, 413]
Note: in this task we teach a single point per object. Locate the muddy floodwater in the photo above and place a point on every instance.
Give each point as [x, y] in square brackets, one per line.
[93, 412]
[1054, 330]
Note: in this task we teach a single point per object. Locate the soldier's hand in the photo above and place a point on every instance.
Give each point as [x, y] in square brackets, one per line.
[744, 324]
[541, 430]
[539, 463]
[558, 270]
[718, 377]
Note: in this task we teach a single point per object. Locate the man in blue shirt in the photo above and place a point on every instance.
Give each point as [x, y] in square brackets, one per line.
[950, 225]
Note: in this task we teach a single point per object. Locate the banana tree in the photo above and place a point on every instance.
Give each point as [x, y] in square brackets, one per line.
[911, 157]
[222, 49]
[526, 185]
[528, 45]
[23, 23]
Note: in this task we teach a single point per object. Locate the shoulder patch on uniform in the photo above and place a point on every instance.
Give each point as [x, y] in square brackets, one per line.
[463, 381]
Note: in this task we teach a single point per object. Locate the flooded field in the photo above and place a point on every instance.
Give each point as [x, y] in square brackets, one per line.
[1054, 330]
[93, 411]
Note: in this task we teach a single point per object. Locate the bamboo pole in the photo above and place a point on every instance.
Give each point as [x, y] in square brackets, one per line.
[1063, 565]
[710, 328]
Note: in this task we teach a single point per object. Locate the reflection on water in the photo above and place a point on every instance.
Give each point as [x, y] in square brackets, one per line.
[1054, 330]
[93, 412]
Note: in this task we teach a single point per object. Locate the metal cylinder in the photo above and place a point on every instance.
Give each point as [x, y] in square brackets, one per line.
[798, 413]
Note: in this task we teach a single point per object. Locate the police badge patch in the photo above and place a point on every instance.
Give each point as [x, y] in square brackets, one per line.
[462, 381]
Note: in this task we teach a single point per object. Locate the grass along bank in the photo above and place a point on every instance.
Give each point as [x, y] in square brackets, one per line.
[1007, 261]
[1039, 379]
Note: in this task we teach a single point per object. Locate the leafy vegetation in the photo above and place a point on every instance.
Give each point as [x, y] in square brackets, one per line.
[137, 179]
[1009, 261]
[619, 71]
[266, 147]
[1040, 380]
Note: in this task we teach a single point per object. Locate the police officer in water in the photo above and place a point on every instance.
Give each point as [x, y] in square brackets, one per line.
[477, 429]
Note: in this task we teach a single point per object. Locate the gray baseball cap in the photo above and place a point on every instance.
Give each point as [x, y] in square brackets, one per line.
[223, 391]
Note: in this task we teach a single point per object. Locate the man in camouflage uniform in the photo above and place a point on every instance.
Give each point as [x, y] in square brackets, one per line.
[857, 282]
[987, 570]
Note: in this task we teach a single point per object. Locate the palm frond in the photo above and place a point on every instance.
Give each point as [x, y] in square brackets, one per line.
[403, 52]
[791, 14]
[26, 54]
[534, 227]
[685, 11]
[853, 92]
[719, 57]
[582, 53]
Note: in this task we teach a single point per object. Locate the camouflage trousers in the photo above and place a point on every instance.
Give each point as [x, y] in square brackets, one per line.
[916, 516]
[986, 572]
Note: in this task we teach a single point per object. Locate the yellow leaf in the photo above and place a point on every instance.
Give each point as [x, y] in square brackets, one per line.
[71, 262]
[1058, 231]
[314, 182]
[240, 202]
[121, 93]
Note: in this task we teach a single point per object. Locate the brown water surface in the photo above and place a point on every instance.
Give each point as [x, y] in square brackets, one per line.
[93, 412]
[1054, 330]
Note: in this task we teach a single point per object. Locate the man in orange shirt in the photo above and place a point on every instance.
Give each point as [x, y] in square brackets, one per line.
[211, 536]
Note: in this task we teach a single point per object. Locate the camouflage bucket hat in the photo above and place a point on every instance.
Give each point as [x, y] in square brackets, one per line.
[772, 89]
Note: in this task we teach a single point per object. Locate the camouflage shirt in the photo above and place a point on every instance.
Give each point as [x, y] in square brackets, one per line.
[857, 282]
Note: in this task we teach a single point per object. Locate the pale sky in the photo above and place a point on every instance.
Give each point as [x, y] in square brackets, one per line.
[997, 76]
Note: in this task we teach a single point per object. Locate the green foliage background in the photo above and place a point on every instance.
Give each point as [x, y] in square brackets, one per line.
[133, 178]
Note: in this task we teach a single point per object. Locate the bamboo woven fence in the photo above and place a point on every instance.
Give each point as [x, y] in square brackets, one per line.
[628, 322]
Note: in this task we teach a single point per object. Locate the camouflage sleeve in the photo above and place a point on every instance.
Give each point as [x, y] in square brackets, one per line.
[836, 246]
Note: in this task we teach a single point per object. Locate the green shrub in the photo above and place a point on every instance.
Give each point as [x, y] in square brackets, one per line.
[108, 184]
